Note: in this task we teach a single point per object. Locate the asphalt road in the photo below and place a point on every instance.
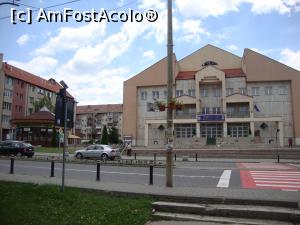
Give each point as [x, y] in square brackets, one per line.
[197, 175]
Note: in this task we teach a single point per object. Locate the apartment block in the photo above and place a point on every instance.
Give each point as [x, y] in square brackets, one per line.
[19, 89]
[91, 119]
[226, 99]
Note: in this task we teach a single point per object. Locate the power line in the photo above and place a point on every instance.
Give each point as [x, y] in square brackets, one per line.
[52, 6]
[48, 7]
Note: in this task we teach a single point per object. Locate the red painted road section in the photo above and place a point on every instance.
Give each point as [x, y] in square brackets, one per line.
[266, 166]
[275, 176]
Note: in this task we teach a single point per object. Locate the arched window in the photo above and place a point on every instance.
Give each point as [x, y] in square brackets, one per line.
[209, 63]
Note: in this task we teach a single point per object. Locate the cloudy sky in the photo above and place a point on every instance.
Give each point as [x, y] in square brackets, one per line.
[95, 58]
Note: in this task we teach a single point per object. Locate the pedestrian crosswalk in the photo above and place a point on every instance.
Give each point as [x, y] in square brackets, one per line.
[271, 179]
[266, 166]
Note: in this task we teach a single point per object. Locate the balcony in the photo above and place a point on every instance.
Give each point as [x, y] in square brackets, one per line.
[184, 115]
[238, 114]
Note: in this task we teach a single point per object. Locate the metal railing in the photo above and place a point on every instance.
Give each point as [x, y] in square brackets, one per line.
[185, 115]
[238, 114]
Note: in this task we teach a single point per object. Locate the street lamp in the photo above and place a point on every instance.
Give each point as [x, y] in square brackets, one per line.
[65, 102]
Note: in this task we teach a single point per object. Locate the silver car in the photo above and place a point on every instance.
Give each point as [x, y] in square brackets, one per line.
[103, 152]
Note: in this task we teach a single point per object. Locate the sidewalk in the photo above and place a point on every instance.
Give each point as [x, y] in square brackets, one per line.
[189, 194]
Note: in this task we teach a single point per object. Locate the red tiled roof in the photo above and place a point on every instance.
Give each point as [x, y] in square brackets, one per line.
[229, 73]
[41, 116]
[186, 75]
[99, 108]
[30, 78]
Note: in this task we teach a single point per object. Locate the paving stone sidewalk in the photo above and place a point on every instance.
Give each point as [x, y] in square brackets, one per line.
[217, 195]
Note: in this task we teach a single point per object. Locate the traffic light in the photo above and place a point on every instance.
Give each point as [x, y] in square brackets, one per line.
[59, 110]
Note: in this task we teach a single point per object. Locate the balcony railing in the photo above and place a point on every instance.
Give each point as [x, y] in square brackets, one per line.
[238, 114]
[185, 115]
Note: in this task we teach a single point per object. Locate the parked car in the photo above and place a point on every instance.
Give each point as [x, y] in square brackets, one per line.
[103, 152]
[17, 148]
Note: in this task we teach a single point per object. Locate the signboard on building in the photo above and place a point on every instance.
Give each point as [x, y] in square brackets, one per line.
[211, 117]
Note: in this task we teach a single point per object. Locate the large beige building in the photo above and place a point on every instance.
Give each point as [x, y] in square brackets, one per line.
[227, 99]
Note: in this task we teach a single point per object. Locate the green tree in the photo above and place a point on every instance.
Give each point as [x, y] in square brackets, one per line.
[54, 139]
[104, 139]
[113, 136]
[45, 101]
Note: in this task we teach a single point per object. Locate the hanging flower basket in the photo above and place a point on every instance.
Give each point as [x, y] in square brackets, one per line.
[162, 108]
[160, 105]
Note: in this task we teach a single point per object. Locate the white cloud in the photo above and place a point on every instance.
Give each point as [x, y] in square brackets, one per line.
[267, 6]
[149, 55]
[196, 8]
[191, 8]
[192, 31]
[23, 39]
[41, 65]
[154, 4]
[72, 38]
[232, 47]
[290, 58]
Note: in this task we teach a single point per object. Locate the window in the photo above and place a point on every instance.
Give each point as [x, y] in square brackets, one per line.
[229, 91]
[7, 106]
[7, 93]
[191, 92]
[179, 93]
[282, 90]
[30, 110]
[268, 90]
[204, 92]
[5, 119]
[217, 92]
[211, 130]
[155, 95]
[238, 130]
[21, 96]
[9, 81]
[20, 108]
[49, 94]
[31, 100]
[143, 95]
[255, 91]
[150, 107]
[216, 110]
[185, 130]
[243, 91]
[22, 84]
[32, 88]
[205, 110]
[165, 94]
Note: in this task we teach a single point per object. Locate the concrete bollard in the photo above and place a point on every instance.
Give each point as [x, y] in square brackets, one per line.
[98, 172]
[52, 169]
[151, 176]
[12, 162]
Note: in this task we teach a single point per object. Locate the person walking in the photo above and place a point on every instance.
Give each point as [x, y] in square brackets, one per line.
[290, 142]
[129, 149]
